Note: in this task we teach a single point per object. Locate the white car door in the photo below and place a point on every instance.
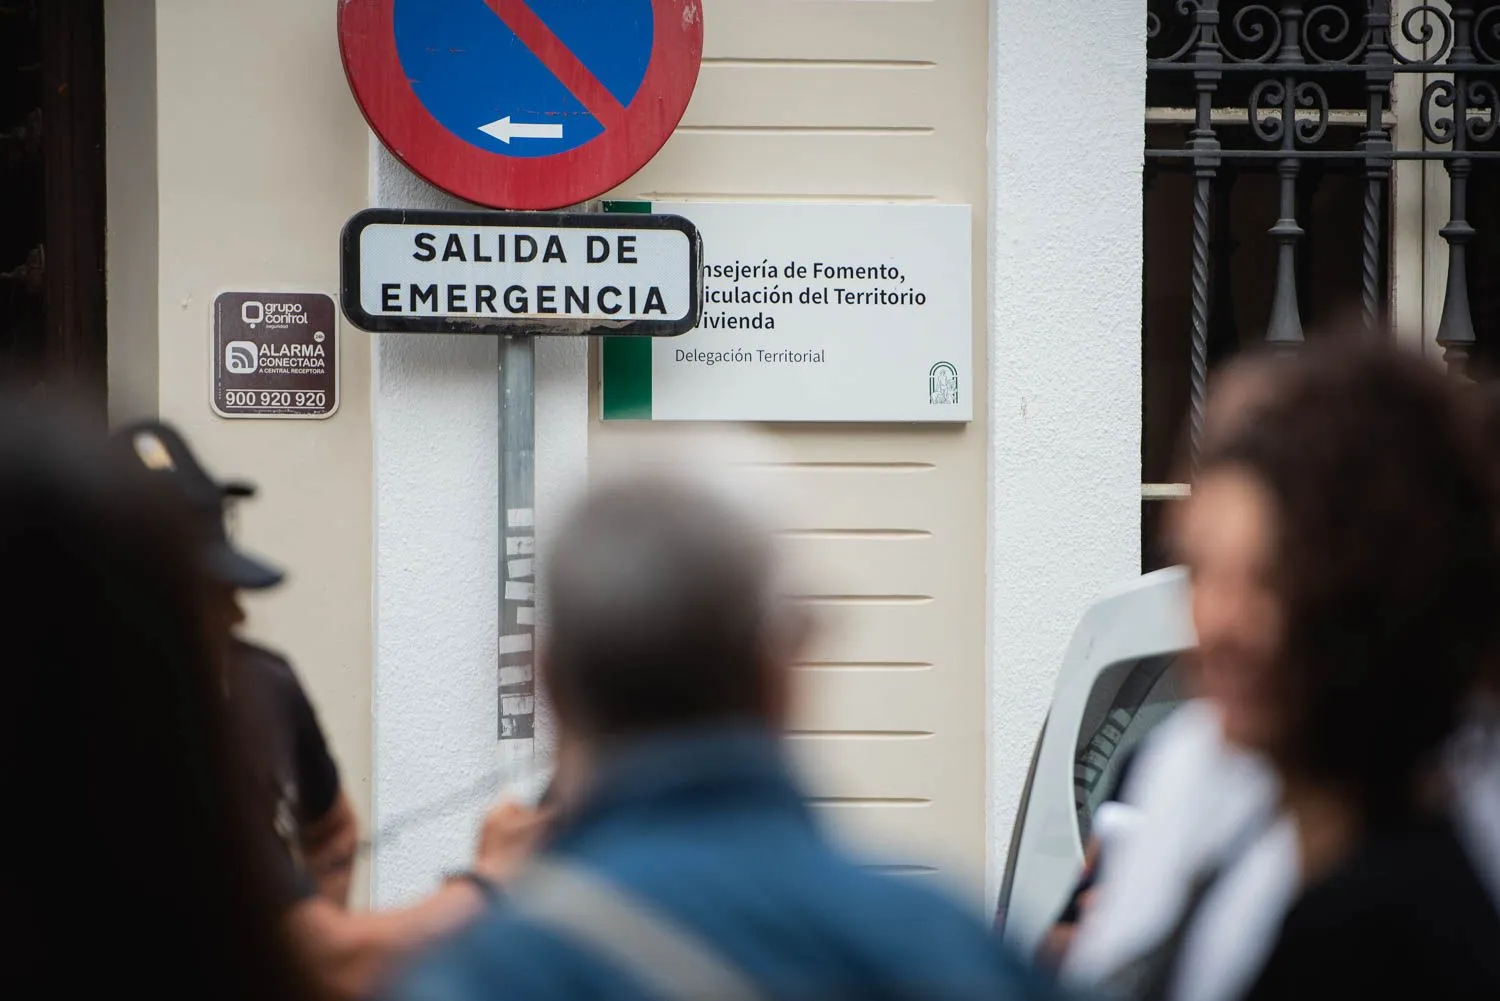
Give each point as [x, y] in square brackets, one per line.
[1118, 681]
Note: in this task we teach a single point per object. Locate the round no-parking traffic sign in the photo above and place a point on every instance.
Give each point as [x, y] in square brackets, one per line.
[523, 104]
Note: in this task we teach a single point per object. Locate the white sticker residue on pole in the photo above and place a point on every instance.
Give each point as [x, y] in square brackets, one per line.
[520, 545]
[519, 643]
[517, 705]
[516, 675]
[526, 616]
[520, 517]
[519, 591]
[518, 568]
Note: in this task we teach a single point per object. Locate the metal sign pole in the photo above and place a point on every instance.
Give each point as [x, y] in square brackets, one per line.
[642, 276]
[517, 682]
[525, 162]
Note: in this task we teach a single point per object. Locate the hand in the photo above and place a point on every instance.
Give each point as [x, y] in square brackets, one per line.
[508, 837]
[1054, 946]
[329, 847]
[1090, 855]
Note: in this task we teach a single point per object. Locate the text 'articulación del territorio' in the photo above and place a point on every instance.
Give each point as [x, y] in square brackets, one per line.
[762, 294]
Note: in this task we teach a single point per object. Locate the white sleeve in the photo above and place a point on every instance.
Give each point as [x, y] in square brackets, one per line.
[1193, 794]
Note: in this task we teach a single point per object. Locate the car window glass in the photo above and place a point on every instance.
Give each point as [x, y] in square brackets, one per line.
[1128, 701]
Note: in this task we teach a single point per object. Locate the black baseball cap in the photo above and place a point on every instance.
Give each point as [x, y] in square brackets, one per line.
[159, 448]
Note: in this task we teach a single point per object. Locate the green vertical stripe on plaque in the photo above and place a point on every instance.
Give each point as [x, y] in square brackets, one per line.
[627, 360]
[627, 379]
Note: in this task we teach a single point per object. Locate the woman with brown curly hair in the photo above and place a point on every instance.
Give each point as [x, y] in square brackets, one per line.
[1345, 570]
[1195, 799]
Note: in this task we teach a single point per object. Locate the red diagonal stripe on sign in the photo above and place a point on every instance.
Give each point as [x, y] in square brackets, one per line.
[560, 61]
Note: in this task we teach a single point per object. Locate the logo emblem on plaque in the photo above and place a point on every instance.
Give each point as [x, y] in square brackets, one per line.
[241, 357]
[942, 384]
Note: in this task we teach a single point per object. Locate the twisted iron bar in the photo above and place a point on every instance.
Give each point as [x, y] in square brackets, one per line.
[1370, 255]
[1198, 361]
[1376, 145]
[1208, 59]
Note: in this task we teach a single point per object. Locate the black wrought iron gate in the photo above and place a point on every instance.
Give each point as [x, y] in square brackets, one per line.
[1287, 70]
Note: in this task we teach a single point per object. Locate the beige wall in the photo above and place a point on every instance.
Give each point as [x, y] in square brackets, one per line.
[236, 154]
[131, 261]
[869, 102]
[261, 158]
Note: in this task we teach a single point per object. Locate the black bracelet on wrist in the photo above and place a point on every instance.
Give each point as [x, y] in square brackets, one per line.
[488, 888]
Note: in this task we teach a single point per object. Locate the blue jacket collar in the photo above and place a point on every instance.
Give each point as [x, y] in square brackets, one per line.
[679, 768]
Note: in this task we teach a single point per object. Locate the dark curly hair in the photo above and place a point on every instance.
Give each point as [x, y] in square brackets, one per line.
[1387, 561]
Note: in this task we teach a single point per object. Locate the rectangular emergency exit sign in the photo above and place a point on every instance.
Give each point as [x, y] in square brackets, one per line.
[521, 273]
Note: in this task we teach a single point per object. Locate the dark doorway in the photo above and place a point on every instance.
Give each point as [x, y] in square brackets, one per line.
[52, 199]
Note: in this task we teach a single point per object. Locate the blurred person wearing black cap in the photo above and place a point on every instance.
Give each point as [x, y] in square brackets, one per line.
[313, 816]
[134, 855]
[314, 822]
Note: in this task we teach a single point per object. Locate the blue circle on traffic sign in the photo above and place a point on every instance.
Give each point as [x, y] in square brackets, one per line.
[511, 76]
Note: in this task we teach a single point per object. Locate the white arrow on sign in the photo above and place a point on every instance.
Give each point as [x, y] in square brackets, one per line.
[505, 130]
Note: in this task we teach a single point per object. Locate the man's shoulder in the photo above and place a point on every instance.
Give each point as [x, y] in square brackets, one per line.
[831, 926]
[505, 948]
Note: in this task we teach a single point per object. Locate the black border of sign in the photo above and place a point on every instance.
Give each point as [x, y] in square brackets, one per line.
[349, 279]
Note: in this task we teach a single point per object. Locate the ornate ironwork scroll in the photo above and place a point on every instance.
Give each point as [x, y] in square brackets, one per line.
[1284, 70]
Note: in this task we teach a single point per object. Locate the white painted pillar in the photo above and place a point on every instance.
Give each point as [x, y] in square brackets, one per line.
[1065, 350]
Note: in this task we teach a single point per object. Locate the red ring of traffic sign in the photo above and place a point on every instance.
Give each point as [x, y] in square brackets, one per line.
[367, 39]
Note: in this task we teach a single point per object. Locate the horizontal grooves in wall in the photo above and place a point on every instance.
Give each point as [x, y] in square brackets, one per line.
[859, 101]
[730, 62]
[712, 195]
[860, 734]
[836, 665]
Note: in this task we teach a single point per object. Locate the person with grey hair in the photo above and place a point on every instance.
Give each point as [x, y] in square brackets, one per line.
[685, 863]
